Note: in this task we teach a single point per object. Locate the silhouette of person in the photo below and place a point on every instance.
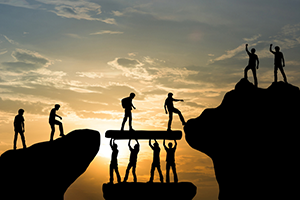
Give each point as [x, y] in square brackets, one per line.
[169, 106]
[253, 59]
[156, 162]
[278, 62]
[53, 122]
[19, 127]
[170, 159]
[127, 105]
[132, 160]
[114, 162]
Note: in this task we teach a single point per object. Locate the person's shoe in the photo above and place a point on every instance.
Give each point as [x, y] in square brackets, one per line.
[131, 129]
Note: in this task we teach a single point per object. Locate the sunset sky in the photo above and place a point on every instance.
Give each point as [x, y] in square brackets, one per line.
[86, 55]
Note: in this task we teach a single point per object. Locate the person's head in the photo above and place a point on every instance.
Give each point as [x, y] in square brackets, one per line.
[132, 95]
[170, 94]
[253, 50]
[136, 146]
[156, 144]
[277, 48]
[57, 106]
[21, 111]
[170, 145]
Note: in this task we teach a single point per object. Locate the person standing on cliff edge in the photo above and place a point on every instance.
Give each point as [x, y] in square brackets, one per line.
[169, 106]
[53, 122]
[253, 59]
[19, 128]
[278, 63]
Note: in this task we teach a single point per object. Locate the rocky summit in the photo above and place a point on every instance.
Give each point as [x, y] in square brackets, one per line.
[252, 139]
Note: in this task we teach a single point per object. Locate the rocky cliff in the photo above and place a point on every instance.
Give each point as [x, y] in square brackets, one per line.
[252, 138]
[45, 170]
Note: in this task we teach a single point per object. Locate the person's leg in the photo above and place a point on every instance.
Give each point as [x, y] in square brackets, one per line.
[118, 174]
[283, 74]
[254, 77]
[170, 120]
[275, 73]
[127, 172]
[161, 177]
[15, 140]
[124, 120]
[152, 173]
[130, 119]
[133, 173]
[167, 173]
[245, 72]
[61, 129]
[180, 115]
[52, 131]
[175, 173]
[111, 173]
[23, 139]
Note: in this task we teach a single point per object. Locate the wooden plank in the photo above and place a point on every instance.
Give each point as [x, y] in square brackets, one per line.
[144, 134]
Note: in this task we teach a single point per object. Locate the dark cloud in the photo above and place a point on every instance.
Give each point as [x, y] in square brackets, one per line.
[127, 62]
[25, 61]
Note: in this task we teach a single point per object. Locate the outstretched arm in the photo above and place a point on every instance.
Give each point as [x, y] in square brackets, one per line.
[178, 100]
[165, 106]
[110, 143]
[152, 147]
[271, 49]
[175, 144]
[248, 52]
[165, 144]
[129, 144]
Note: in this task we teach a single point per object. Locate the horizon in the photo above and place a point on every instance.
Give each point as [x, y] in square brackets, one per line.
[86, 55]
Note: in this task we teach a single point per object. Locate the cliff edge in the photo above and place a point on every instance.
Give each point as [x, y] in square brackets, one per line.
[252, 139]
[46, 170]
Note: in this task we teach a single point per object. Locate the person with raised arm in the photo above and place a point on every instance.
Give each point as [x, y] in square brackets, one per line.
[170, 161]
[156, 161]
[114, 162]
[279, 62]
[132, 160]
[253, 64]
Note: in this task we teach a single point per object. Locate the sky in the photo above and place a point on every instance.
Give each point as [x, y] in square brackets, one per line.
[86, 55]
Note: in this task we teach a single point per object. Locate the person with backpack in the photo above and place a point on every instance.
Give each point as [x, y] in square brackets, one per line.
[127, 105]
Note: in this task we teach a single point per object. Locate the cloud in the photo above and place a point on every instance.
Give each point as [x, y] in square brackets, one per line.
[106, 32]
[90, 74]
[229, 53]
[3, 51]
[10, 40]
[26, 60]
[255, 37]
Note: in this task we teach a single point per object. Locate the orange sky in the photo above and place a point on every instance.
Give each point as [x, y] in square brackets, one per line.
[86, 55]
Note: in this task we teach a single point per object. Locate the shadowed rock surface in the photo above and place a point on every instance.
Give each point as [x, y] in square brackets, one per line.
[46, 170]
[252, 138]
[149, 191]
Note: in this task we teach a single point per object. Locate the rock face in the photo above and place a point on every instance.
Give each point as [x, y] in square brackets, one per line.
[149, 191]
[45, 170]
[252, 138]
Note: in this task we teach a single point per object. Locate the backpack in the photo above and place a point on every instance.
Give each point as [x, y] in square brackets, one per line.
[125, 102]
